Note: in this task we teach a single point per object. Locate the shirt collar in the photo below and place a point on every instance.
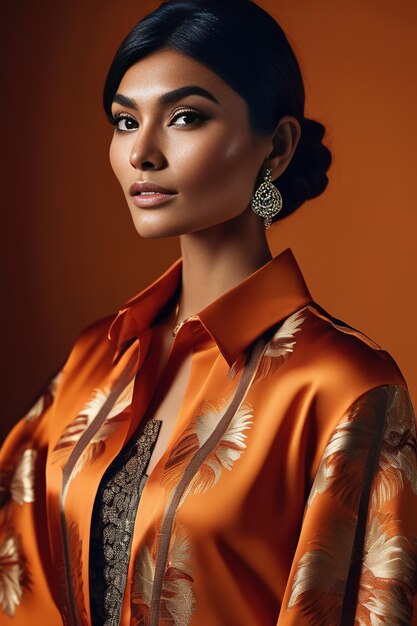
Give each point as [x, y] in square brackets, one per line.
[235, 319]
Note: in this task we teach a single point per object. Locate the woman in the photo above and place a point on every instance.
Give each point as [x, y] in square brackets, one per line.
[222, 451]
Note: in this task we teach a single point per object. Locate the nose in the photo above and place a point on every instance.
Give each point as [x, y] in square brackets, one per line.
[146, 153]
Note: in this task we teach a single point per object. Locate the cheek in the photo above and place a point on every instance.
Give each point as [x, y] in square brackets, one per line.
[116, 159]
[112, 157]
[211, 156]
[216, 160]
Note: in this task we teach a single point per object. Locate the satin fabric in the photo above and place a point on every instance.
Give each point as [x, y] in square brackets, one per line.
[287, 494]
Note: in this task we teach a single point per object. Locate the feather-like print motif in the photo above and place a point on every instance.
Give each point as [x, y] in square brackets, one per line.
[14, 574]
[237, 366]
[398, 457]
[223, 456]
[76, 565]
[75, 582]
[45, 399]
[17, 483]
[343, 462]
[389, 575]
[76, 428]
[97, 445]
[388, 580]
[281, 345]
[278, 349]
[320, 579]
[177, 597]
[22, 486]
[388, 566]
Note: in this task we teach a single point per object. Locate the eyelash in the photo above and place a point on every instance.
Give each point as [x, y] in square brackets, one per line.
[115, 119]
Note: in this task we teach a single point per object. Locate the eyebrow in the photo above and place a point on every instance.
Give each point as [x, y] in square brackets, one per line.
[169, 97]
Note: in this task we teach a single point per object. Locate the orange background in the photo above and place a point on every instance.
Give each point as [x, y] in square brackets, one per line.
[70, 253]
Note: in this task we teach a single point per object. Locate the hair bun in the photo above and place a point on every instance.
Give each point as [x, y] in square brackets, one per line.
[305, 176]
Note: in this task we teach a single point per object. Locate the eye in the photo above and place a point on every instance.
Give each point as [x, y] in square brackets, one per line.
[116, 120]
[187, 117]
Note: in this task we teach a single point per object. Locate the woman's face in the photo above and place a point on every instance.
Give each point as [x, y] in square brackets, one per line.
[180, 126]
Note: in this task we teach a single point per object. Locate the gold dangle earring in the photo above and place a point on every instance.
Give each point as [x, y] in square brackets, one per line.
[267, 200]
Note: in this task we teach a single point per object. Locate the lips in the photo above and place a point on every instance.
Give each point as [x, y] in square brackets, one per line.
[146, 188]
[148, 195]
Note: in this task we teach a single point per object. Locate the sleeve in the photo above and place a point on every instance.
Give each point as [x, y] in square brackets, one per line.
[24, 547]
[356, 559]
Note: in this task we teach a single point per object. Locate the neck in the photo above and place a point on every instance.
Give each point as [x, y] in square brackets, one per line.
[218, 258]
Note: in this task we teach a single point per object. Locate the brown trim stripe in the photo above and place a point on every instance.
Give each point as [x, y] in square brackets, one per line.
[242, 388]
[352, 584]
[76, 453]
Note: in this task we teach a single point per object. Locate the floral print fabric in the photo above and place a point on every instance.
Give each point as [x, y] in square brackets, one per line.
[361, 566]
[287, 493]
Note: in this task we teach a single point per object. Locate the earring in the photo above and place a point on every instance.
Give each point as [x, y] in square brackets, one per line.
[267, 200]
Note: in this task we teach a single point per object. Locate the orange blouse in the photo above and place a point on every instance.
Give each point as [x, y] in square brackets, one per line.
[287, 494]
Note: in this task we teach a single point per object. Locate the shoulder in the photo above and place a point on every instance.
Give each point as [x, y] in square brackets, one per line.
[349, 378]
[342, 361]
[339, 343]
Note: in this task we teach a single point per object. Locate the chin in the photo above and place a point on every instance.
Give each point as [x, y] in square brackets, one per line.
[155, 224]
[155, 228]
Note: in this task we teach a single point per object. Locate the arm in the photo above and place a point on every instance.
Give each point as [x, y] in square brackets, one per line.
[25, 566]
[356, 560]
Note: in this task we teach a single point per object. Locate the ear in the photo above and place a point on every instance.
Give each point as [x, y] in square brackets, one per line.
[284, 142]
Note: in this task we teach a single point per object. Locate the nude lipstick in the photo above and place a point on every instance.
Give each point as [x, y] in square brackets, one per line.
[145, 194]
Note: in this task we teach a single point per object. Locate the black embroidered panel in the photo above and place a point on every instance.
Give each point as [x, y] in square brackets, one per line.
[112, 524]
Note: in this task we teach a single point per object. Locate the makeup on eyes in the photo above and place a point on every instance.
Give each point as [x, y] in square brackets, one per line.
[170, 97]
[114, 120]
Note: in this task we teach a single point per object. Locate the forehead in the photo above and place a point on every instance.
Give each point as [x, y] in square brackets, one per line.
[167, 70]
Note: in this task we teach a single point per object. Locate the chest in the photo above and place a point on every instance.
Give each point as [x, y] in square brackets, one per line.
[165, 408]
[240, 485]
[170, 388]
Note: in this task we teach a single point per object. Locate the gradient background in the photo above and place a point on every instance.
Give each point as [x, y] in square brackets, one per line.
[70, 253]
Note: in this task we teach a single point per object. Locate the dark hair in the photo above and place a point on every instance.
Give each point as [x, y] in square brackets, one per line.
[248, 49]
